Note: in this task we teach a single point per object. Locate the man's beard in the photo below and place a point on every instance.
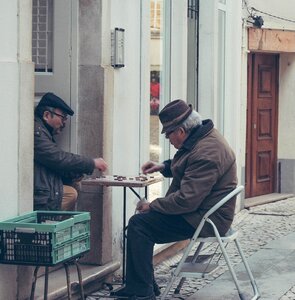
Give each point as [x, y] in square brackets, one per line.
[58, 130]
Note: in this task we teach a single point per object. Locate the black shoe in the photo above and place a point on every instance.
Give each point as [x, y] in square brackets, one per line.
[135, 297]
[123, 294]
[157, 291]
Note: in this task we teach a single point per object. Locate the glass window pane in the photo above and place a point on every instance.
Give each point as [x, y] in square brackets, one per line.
[156, 71]
[42, 41]
[155, 75]
[221, 69]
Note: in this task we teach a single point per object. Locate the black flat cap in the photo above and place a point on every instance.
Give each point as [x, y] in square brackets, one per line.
[51, 100]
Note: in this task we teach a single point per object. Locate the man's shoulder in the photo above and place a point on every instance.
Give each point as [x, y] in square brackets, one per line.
[40, 129]
[38, 123]
[213, 145]
[214, 137]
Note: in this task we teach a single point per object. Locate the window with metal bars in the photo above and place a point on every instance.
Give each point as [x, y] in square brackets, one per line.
[42, 35]
[192, 9]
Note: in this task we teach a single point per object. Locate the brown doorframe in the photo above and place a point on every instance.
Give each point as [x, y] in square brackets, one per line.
[262, 124]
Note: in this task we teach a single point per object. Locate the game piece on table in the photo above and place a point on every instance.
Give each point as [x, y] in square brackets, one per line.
[127, 181]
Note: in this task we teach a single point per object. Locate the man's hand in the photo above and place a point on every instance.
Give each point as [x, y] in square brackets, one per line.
[151, 167]
[143, 207]
[100, 164]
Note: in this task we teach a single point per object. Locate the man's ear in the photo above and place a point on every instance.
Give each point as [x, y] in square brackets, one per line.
[46, 115]
[182, 130]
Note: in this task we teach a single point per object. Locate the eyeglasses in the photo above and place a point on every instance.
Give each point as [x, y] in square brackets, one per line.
[167, 134]
[64, 118]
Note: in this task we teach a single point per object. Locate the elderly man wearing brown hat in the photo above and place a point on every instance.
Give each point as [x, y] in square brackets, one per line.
[203, 171]
[55, 170]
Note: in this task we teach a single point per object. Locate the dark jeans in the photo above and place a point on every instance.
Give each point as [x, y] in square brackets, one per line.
[144, 230]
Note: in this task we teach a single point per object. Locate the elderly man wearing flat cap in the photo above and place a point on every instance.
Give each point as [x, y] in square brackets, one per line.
[203, 171]
[54, 169]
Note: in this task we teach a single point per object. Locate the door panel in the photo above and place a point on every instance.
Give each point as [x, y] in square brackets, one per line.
[261, 154]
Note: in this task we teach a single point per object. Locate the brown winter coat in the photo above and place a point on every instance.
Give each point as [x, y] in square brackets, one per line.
[203, 171]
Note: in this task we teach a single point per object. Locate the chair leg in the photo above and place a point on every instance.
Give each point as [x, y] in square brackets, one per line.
[230, 267]
[80, 280]
[179, 286]
[46, 283]
[252, 280]
[194, 259]
[34, 283]
[197, 252]
[168, 287]
[66, 266]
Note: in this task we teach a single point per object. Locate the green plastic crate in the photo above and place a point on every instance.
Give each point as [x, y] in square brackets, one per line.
[72, 249]
[44, 237]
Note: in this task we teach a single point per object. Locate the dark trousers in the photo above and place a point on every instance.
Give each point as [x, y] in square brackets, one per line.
[144, 230]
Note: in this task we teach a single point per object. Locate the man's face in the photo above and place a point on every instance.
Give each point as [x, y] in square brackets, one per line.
[55, 119]
[176, 137]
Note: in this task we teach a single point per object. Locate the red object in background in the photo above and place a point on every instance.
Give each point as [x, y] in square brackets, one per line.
[154, 103]
[155, 90]
[154, 97]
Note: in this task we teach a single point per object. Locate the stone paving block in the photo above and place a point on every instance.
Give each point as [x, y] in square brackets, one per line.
[285, 242]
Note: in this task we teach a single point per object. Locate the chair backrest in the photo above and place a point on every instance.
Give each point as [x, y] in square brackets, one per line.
[229, 196]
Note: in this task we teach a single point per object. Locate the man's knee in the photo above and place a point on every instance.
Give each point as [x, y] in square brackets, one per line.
[69, 198]
[138, 225]
[136, 220]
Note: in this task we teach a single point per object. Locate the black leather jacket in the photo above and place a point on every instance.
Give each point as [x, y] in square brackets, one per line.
[51, 165]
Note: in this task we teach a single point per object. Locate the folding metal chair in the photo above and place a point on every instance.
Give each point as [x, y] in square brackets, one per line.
[190, 266]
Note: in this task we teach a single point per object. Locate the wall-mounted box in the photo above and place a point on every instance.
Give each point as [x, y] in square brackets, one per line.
[117, 58]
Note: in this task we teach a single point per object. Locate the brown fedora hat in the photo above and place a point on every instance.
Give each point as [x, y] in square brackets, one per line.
[173, 114]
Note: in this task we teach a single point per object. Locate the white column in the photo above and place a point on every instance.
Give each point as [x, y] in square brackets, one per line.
[208, 34]
[16, 114]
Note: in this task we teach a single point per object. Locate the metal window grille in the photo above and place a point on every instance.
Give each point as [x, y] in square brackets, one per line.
[192, 9]
[42, 39]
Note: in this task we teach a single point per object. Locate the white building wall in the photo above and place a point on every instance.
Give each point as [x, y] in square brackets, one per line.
[234, 115]
[286, 123]
[131, 92]
[207, 58]
[286, 141]
[128, 98]
[178, 49]
[280, 15]
[234, 108]
[270, 9]
[9, 107]
[235, 76]
[16, 137]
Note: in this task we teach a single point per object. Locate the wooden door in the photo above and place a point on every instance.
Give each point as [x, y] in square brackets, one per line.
[262, 116]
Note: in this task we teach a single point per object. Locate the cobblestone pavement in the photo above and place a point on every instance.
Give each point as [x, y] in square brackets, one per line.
[257, 226]
[267, 222]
